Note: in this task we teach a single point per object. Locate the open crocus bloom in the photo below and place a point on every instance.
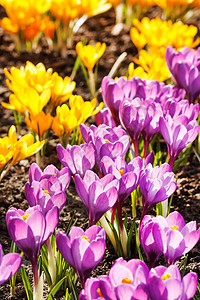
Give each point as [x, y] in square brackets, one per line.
[82, 250]
[78, 159]
[30, 229]
[166, 283]
[173, 237]
[9, 265]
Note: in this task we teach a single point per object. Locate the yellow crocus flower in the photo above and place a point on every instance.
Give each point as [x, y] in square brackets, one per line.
[33, 76]
[31, 100]
[14, 104]
[6, 152]
[61, 89]
[158, 33]
[39, 123]
[90, 54]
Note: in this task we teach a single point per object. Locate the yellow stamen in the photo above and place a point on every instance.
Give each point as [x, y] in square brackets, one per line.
[85, 237]
[107, 141]
[164, 277]
[121, 172]
[126, 280]
[174, 227]
[24, 217]
[45, 191]
[54, 174]
[99, 293]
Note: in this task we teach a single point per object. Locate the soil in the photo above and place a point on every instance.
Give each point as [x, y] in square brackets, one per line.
[187, 197]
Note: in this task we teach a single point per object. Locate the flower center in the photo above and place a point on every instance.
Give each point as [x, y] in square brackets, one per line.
[107, 141]
[54, 174]
[24, 217]
[45, 191]
[85, 237]
[164, 277]
[121, 172]
[126, 280]
[174, 227]
[99, 293]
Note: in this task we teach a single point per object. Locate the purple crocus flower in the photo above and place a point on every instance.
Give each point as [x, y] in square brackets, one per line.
[127, 174]
[156, 185]
[30, 229]
[173, 237]
[147, 240]
[109, 141]
[98, 195]
[135, 116]
[9, 265]
[98, 288]
[114, 91]
[78, 159]
[126, 280]
[178, 133]
[185, 68]
[104, 117]
[166, 283]
[82, 250]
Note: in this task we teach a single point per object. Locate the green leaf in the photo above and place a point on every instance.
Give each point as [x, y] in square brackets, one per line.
[27, 285]
[55, 289]
[129, 240]
[72, 286]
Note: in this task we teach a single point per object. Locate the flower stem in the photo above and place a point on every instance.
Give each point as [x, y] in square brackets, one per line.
[92, 83]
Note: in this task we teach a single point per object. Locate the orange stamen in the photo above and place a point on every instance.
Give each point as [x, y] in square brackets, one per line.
[121, 172]
[85, 237]
[99, 293]
[164, 277]
[126, 280]
[174, 227]
[24, 217]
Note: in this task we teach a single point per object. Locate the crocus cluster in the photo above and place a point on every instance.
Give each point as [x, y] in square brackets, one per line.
[169, 236]
[133, 280]
[185, 69]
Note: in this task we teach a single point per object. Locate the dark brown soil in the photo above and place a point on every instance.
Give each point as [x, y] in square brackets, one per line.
[187, 196]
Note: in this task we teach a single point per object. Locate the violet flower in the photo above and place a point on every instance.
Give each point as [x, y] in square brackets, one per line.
[9, 265]
[109, 141]
[29, 230]
[114, 91]
[147, 240]
[98, 195]
[126, 280]
[156, 185]
[185, 68]
[173, 237]
[178, 133]
[166, 283]
[127, 174]
[82, 250]
[78, 159]
[135, 116]
[104, 117]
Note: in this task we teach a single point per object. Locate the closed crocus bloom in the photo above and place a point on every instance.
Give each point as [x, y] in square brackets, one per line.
[130, 279]
[175, 108]
[147, 240]
[9, 265]
[83, 250]
[185, 68]
[39, 123]
[175, 238]
[135, 116]
[98, 195]
[166, 283]
[114, 91]
[156, 185]
[178, 133]
[90, 54]
[78, 159]
[108, 141]
[61, 89]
